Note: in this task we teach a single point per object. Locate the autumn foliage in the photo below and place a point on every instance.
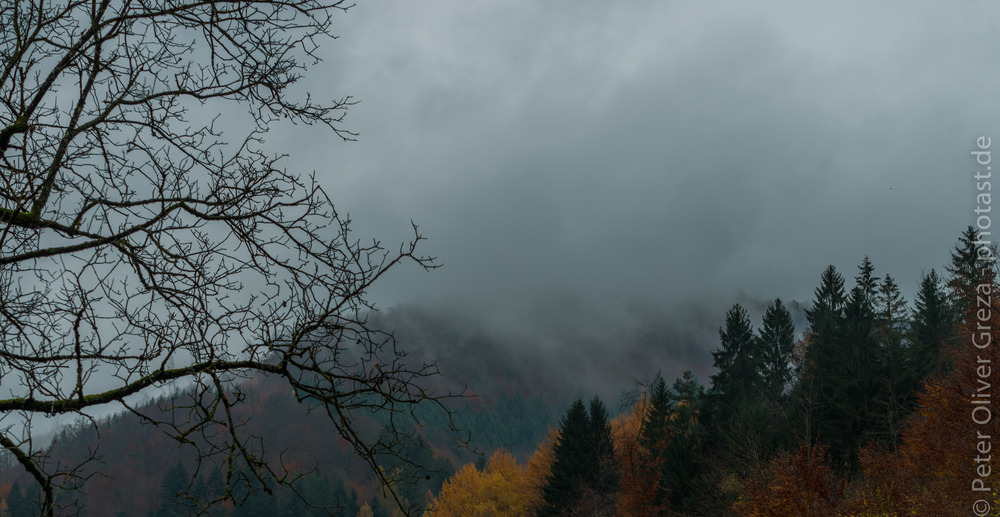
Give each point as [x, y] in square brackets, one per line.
[637, 488]
[802, 486]
[502, 488]
[505, 488]
[932, 472]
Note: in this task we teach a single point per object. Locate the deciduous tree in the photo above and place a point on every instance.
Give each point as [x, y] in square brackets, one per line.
[139, 246]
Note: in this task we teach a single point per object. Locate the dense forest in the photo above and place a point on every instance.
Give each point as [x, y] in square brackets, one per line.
[869, 411]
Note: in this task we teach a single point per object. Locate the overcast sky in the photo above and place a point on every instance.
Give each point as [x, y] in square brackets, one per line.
[660, 150]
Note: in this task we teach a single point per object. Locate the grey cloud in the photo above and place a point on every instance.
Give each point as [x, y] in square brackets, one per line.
[663, 152]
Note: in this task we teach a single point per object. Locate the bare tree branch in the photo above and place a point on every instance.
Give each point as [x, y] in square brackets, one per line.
[138, 247]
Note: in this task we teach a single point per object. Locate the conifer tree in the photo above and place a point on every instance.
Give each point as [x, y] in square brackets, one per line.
[826, 379]
[17, 505]
[604, 480]
[174, 483]
[653, 437]
[776, 342]
[867, 281]
[828, 304]
[738, 375]
[890, 312]
[577, 475]
[683, 456]
[965, 273]
[897, 398]
[859, 381]
[932, 326]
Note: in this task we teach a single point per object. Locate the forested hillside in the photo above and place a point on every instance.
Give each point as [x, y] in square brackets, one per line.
[864, 412]
[880, 407]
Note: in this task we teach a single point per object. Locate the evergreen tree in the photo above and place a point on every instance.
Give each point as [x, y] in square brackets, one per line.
[16, 504]
[653, 436]
[890, 312]
[867, 281]
[897, 398]
[737, 362]
[861, 379]
[828, 305]
[776, 342]
[683, 458]
[604, 480]
[829, 366]
[172, 487]
[32, 505]
[932, 326]
[966, 272]
[573, 465]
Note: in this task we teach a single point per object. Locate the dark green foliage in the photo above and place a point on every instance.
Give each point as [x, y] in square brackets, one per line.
[897, 399]
[859, 368]
[584, 475]
[858, 382]
[20, 504]
[866, 281]
[737, 361]
[683, 458]
[173, 488]
[604, 482]
[775, 343]
[841, 366]
[420, 473]
[653, 436]
[672, 435]
[317, 496]
[32, 502]
[654, 428]
[570, 470]
[932, 326]
[966, 272]
[377, 509]
[513, 422]
[605, 476]
[827, 309]
[890, 312]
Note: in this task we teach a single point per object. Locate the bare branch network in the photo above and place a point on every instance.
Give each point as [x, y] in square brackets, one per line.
[138, 247]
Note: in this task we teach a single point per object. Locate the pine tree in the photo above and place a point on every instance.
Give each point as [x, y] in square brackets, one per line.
[654, 427]
[829, 365]
[931, 328]
[683, 457]
[897, 399]
[966, 272]
[32, 502]
[890, 312]
[653, 437]
[737, 361]
[172, 487]
[867, 281]
[604, 479]
[573, 467]
[776, 342]
[861, 380]
[828, 304]
[16, 503]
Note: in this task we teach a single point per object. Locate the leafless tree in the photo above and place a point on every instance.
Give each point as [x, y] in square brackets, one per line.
[139, 248]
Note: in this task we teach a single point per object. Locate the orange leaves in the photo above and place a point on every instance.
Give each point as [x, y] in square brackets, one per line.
[639, 477]
[932, 470]
[802, 486]
[503, 488]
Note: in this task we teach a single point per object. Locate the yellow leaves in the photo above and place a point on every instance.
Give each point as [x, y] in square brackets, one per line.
[503, 488]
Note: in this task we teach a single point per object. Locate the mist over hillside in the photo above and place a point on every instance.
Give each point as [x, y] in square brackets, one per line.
[565, 345]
